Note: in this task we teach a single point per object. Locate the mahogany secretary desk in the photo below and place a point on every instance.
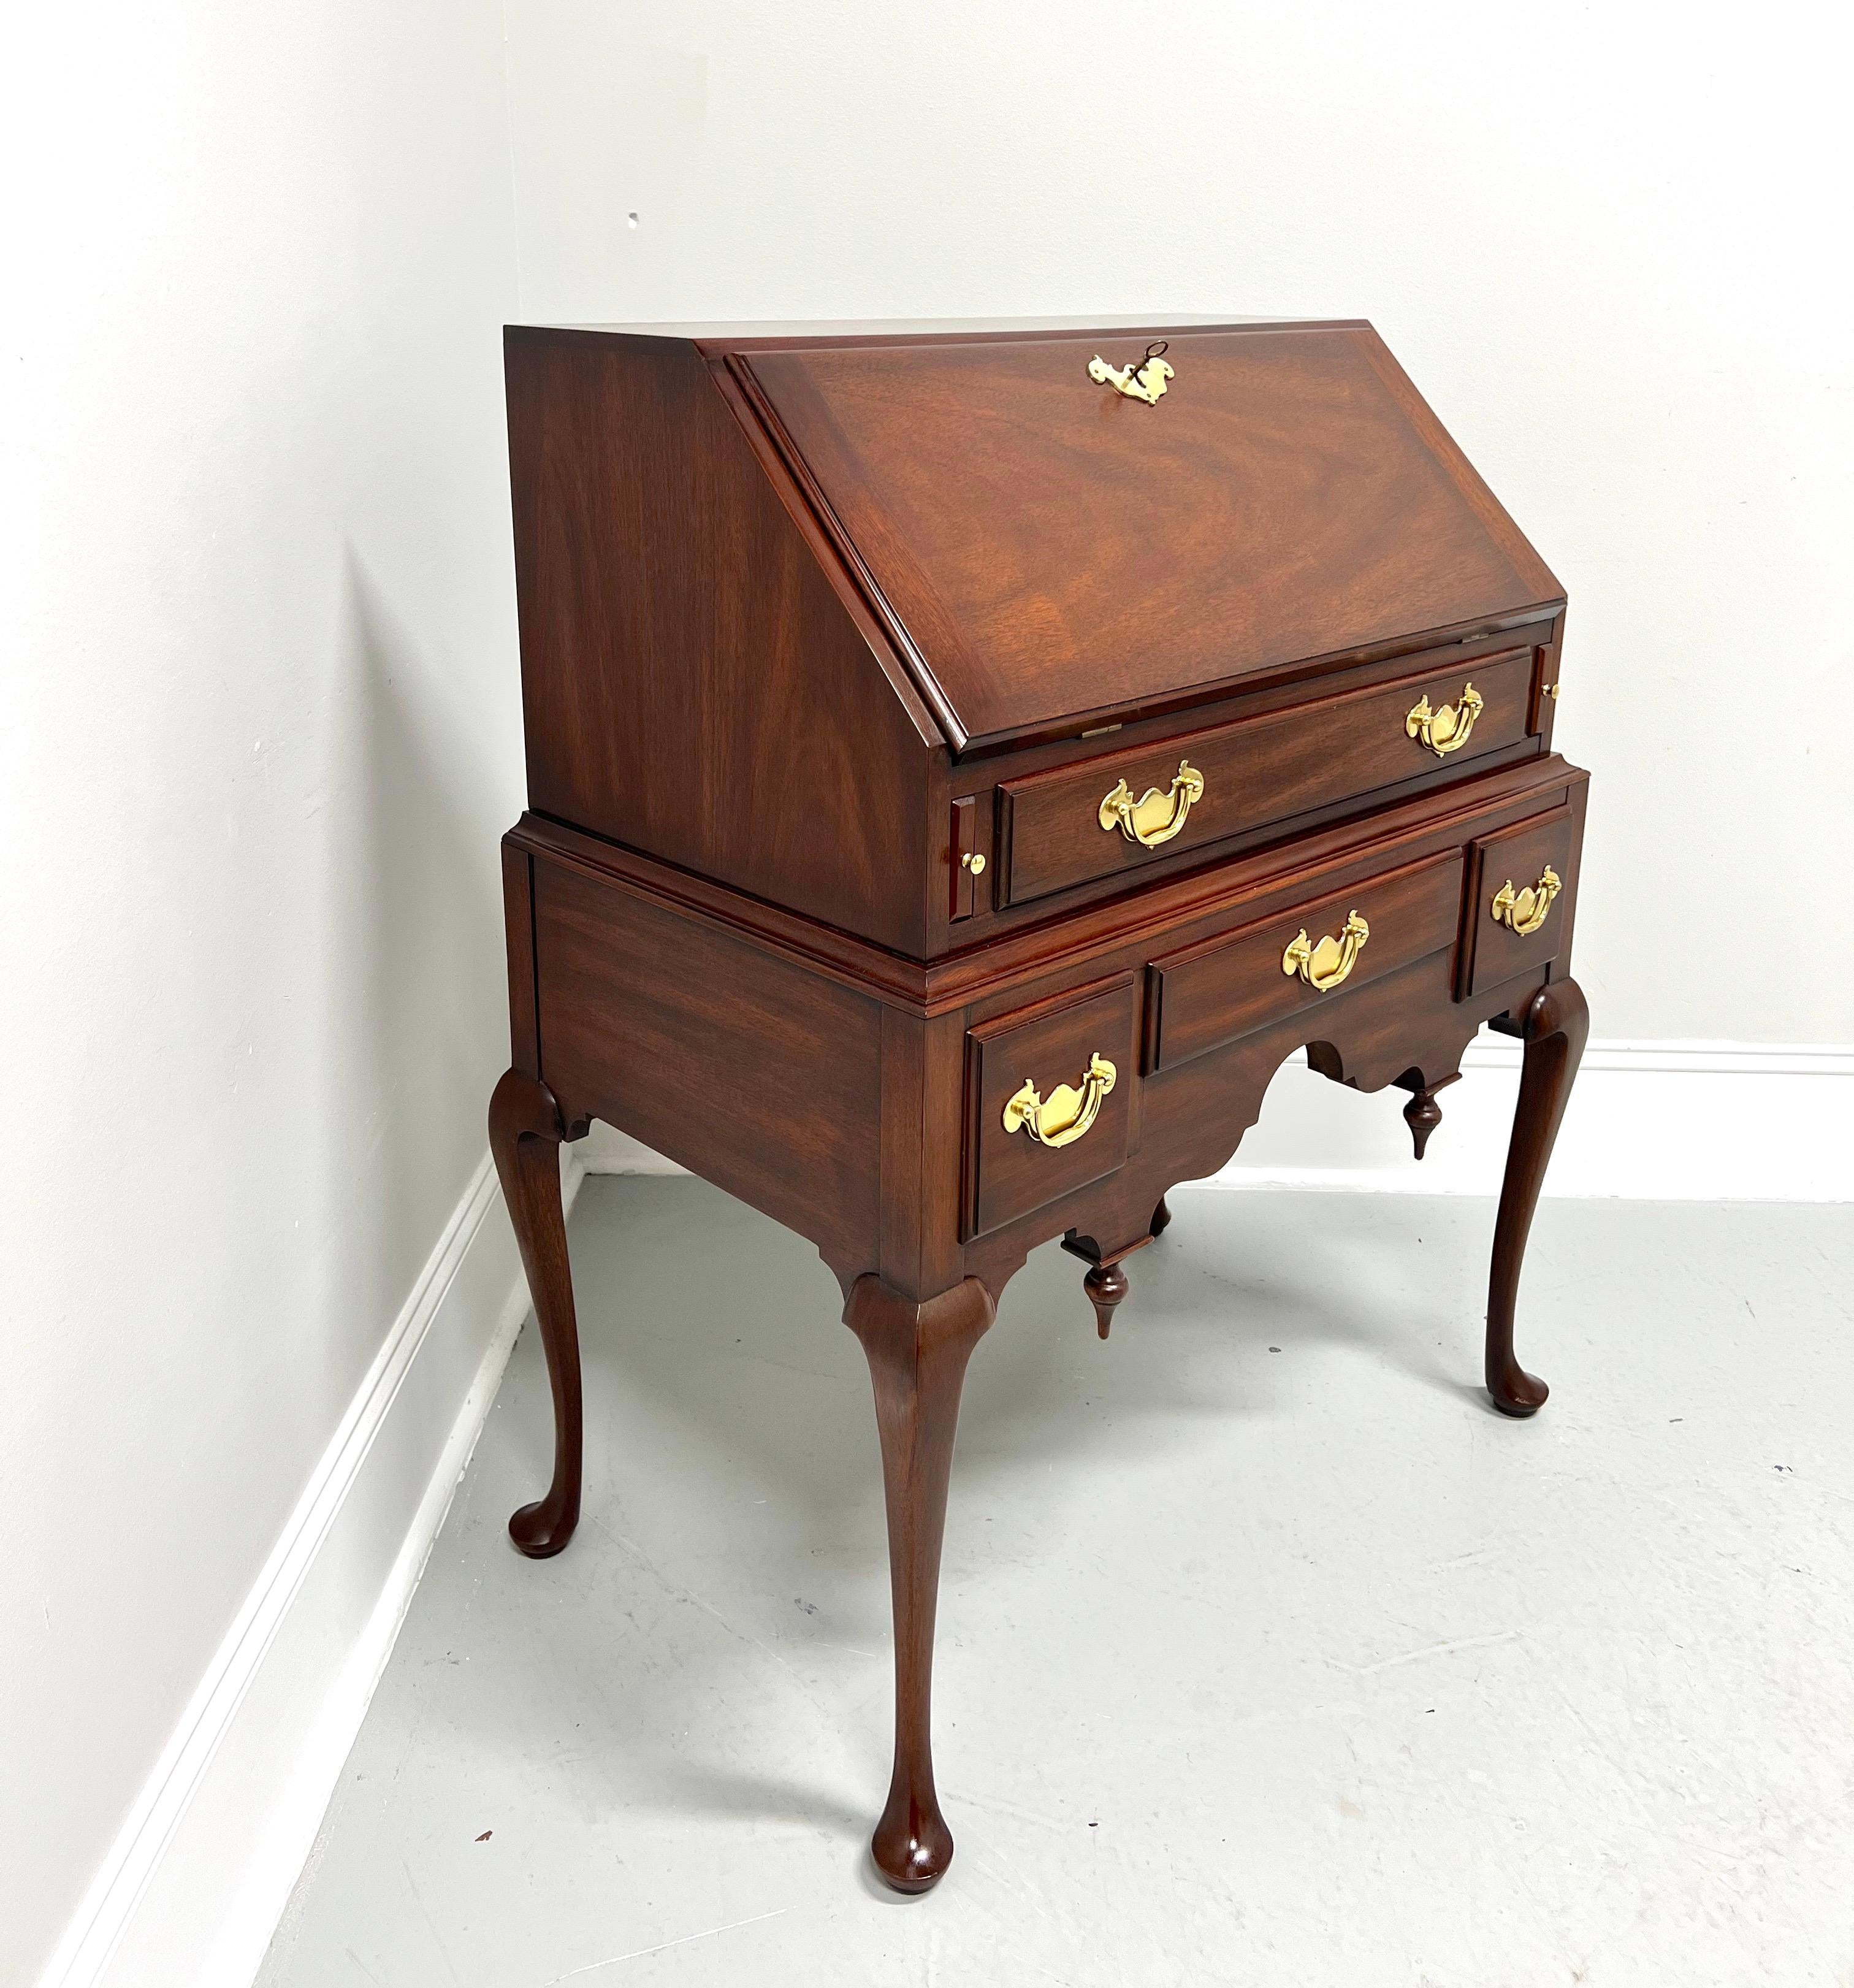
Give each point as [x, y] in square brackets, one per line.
[963, 765]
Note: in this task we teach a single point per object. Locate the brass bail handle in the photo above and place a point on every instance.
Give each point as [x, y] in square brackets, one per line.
[1155, 817]
[1325, 962]
[1066, 1114]
[1445, 730]
[1523, 912]
[1145, 382]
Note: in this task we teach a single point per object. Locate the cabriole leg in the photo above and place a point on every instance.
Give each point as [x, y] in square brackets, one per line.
[525, 1133]
[1555, 1025]
[918, 1356]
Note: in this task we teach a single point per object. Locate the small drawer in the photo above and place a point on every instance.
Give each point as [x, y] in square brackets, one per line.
[1051, 1101]
[1521, 885]
[1076, 823]
[1210, 993]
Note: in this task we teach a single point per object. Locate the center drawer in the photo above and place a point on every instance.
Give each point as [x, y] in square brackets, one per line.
[1210, 993]
[1074, 824]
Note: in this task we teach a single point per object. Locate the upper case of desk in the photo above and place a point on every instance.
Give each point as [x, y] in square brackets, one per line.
[772, 588]
[1044, 550]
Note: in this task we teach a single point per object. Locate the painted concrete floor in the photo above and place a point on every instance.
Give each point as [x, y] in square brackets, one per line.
[1268, 1653]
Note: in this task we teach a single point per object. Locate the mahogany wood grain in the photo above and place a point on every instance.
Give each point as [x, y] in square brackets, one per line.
[693, 684]
[1256, 772]
[964, 856]
[1107, 1284]
[519, 934]
[980, 775]
[807, 620]
[1049, 1044]
[1544, 688]
[1194, 1117]
[1037, 535]
[923, 1077]
[1423, 1114]
[635, 962]
[1258, 693]
[1273, 874]
[1260, 882]
[1225, 985]
[761, 1077]
[1492, 952]
[526, 1131]
[917, 1355]
[1556, 1024]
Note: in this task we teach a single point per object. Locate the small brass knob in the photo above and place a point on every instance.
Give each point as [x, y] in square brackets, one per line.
[971, 861]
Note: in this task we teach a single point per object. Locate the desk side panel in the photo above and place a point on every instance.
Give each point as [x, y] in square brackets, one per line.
[760, 1077]
[694, 684]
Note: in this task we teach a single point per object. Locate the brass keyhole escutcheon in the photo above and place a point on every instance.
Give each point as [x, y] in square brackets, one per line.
[1145, 382]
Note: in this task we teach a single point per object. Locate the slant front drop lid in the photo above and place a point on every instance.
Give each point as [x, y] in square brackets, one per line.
[960, 774]
[1043, 549]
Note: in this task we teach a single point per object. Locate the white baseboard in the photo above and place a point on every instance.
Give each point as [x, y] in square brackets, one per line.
[199, 1874]
[1648, 1120]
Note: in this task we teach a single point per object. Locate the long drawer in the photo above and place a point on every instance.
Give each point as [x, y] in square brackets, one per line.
[1074, 824]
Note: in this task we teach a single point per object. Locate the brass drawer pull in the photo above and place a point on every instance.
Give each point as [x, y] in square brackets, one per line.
[1154, 817]
[1066, 1114]
[1523, 912]
[1445, 730]
[1324, 964]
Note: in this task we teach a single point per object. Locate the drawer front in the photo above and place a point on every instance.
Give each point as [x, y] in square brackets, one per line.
[1051, 1097]
[1065, 827]
[1521, 885]
[1221, 987]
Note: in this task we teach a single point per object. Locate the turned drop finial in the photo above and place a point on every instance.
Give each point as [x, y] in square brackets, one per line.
[1422, 1114]
[1106, 1285]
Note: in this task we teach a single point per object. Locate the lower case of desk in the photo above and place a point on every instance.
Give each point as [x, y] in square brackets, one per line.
[926, 1126]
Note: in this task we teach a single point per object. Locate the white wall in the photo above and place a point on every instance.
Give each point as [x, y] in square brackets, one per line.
[261, 732]
[260, 716]
[1606, 242]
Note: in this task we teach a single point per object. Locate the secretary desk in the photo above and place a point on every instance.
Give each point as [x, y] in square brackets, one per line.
[963, 763]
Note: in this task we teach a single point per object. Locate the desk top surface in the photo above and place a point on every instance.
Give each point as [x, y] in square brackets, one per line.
[732, 332]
